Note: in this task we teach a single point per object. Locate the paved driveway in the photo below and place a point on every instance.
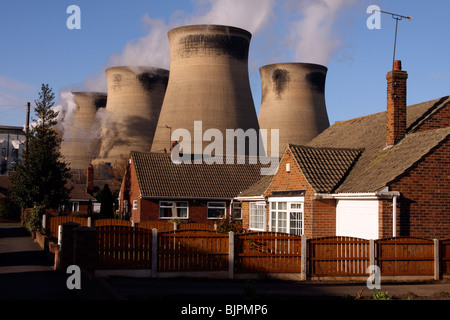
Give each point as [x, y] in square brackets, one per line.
[26, 271]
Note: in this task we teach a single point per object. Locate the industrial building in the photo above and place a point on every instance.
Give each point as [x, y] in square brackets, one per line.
[12, 145]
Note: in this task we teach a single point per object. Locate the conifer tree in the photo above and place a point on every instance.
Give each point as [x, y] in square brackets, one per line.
[40, 178]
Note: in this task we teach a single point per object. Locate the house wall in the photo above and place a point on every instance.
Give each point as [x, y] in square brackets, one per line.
[197, 212]
[424, 206]
[319, 215]
[245, 209]
[441, 119]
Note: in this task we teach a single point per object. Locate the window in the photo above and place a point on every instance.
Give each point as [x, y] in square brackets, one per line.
[216, 210]
[135, 204]
[237, 210]
[75, 206]
[173, 209]
[286, 217]
[257, 216]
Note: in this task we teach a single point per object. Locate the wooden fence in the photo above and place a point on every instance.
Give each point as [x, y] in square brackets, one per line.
[405, 256]
[267, 252]
[338, 256]
[192, 251]
[264, 253]
[53, 222]
[444, 255]
[124, 247]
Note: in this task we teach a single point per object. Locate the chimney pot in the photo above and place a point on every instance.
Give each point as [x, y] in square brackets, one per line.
[397, 65]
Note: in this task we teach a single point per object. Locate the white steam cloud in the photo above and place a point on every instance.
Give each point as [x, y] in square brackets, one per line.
[313, 33]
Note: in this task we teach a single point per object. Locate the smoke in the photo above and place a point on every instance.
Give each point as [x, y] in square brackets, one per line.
[153, 48]
[65, 109]
[307, 28]
[312, 33]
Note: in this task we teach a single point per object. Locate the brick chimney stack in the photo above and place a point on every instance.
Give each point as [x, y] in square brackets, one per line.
[90, 180]
[396, 104]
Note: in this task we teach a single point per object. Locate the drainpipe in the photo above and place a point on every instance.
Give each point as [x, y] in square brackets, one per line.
[394, 215]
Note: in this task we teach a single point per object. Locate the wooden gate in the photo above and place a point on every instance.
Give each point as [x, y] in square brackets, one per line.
[189, 250]
[338, 256]
[267, 252]
[123, 247]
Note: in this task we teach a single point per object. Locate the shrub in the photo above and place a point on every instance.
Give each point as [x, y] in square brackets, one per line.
[33, 218]
[228, 224]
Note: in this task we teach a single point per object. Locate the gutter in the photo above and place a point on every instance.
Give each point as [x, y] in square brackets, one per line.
[186, 198]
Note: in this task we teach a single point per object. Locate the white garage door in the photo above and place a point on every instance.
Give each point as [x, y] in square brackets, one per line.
[357, 218]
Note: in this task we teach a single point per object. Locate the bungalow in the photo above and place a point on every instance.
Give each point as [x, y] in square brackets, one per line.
[155, 188]
[382, 175]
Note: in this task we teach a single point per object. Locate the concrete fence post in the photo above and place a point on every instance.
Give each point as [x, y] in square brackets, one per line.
[372, 252]
[154, 252]
[437, 271]
[44, 222]
[231, 255]
[304, 257]
[89, 222]
[133, 224]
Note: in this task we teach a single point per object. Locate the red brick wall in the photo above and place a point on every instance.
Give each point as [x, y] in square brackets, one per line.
[245, 214]
[396, 105]
[424, 206]
[441, 119]
[319, 215]
[197, 211]
[324, 218]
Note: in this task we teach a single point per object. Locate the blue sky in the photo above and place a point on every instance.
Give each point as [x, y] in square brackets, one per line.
[37, 47]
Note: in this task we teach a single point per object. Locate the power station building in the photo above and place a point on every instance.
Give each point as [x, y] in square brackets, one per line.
[207, 88]
[208, 82]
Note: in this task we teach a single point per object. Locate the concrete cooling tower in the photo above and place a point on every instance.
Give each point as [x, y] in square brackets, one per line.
[135, 96]
[209, 82]
[293, 101]
[81, 139]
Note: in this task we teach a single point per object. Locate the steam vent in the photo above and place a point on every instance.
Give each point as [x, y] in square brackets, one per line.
[208, 82]
[135, 96]
[293, 101]
[81, 143]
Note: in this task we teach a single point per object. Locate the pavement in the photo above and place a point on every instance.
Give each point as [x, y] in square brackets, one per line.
[26, 273]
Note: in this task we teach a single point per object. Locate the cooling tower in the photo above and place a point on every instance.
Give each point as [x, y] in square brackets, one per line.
[293, 101]
[81, 140]
[135, 96]
[208, 82]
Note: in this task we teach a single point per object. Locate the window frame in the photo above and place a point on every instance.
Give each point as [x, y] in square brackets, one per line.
[264, 216]
[77, 205]
[236, 206]
[174, 206]
[275, 213]
[224, 207]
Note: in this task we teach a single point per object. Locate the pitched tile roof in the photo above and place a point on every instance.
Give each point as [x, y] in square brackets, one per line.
[78, 192]
[258, 188]
[325, 168]
[159, 177]
[378, 166]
